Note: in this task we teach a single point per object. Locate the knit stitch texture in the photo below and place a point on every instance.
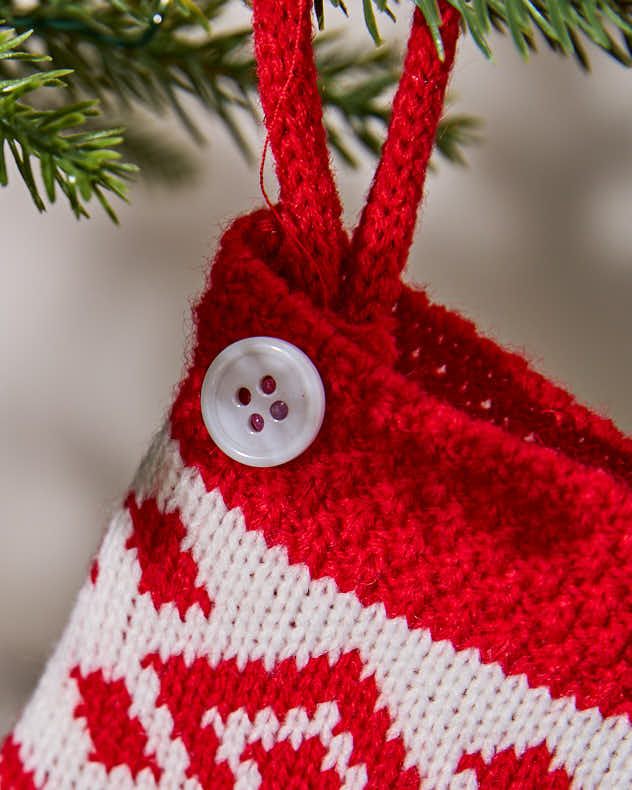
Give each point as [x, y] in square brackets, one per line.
[435, 594]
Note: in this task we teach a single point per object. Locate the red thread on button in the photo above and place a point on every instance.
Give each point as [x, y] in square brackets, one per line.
[279, 410]
[268, 385]
[244, 396]
[256, 422]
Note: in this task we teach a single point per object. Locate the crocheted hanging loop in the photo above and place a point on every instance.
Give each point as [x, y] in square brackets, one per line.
[383, 237]
[309, 206]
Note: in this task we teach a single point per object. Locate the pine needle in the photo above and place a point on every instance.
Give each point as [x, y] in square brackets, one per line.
[80, 163]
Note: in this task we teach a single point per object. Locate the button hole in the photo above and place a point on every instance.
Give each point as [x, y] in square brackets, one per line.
[267, 385]
[243, 396]
[256, 422]
[279, 410]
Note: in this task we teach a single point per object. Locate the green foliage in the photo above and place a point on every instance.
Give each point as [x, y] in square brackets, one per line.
[143, 54]
[456, 133]
[80, 163]
[158, 55]
[152, 56]
[561, 23]
[162, 159]
[123, 60]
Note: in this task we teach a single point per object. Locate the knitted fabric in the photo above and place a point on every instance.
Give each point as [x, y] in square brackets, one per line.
[435, 594]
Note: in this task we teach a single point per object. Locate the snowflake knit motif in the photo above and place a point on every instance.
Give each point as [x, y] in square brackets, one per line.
[435, 594]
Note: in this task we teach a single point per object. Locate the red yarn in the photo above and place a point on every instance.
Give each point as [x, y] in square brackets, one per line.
[383, 237]
[507, 771]
[283, 96]
[444, 354]
[13, 775]
[289, 95]
[309, 205]
[190, 691]
[118, 738]
[451, 520]
[168, 573]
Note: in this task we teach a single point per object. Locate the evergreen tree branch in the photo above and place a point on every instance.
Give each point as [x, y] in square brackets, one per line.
[561, 23]
[151, 54]
[130, 54]
[455, 133]
[162, 159]
[146, 56]
[81, 164]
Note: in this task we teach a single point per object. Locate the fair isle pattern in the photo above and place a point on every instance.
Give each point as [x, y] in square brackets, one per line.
[279, 679]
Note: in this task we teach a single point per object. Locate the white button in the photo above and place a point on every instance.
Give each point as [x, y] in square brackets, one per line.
[263, 401]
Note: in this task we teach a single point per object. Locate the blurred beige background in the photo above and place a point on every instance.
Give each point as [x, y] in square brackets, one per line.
[532, 241]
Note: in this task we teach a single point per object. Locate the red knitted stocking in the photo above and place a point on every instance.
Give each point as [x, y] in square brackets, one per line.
[434, 593]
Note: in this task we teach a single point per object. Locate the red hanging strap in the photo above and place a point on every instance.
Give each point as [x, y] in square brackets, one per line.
[383, 237]
[309, 208]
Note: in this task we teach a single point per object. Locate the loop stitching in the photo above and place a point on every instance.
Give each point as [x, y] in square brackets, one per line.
[309, 207]
[384, 234]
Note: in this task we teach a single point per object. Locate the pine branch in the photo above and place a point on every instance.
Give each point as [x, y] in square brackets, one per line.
[454, 134]
[162, 160]
[137, 56]
[151, 54]
[561, 23]
[130, 54]
[80, 163]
